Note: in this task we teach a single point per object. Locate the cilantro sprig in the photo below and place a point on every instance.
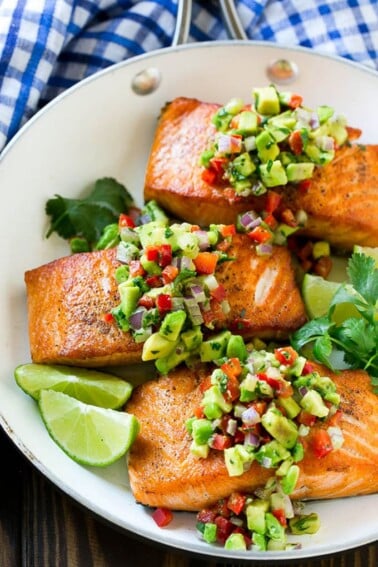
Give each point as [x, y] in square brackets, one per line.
[85, 219]
[356, 338]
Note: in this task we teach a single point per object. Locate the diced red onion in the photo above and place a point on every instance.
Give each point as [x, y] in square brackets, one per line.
[136, 319]
[193, 310]
[250, 416]
[144, 219]
[303, 390]
[250, 220]
[186, 263]
[266, 462]
[203, 239]
[325, 143]
[264, 249]
[314, 120]
[251, 439]
[198, 293]
[229, 144]
[231, 426]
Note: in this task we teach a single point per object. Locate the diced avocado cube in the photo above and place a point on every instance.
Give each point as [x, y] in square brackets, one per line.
[290, 406]
[243, 164]
[273, 174]
[313, 403]
[271, 454]
[215, 347]
[280, 427]
[157, 346]
[234, 105]
[172, 324]
[248, 123]
[274, 529]
[248, 388]
[192, 338]
[279, 133]
[200, 451]
[317, 155]
[276, 544]
[129, 297]
[320, 249]
[236, 458]
[202, 430]
[324, 113]
[284, 467]
[236, 348]
[210, 532]
[152, 233]
[297, 452]
[266, 100]
[259, 542]
[213, 395]
[255, 512]
[289, 481]
[188, 242]
[338, 130]
[299, 171]
[285, 119]
[266, 146]
[151, 268]
[176, 357]
[306, 524]
[235, 541]
[277, 501]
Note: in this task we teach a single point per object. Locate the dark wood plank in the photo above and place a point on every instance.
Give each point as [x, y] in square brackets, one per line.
[42, 527]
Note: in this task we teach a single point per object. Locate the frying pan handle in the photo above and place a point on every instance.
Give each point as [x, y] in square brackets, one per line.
[231, 20]
[184, 14]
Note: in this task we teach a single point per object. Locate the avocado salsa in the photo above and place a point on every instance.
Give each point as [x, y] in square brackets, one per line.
[274, 141]
[263, 408]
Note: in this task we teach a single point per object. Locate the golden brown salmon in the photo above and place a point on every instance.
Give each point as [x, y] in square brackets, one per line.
[68, 300]
[341, 203]
[163, 471]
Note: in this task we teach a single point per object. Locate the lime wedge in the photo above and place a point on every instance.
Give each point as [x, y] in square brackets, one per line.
[317, 295]
[369, 251]
[88, 386]
[88, 434]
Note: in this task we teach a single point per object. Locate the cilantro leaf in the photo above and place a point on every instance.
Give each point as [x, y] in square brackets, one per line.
[323, 349]
[311, 331]
[86, 218]
[364, 276]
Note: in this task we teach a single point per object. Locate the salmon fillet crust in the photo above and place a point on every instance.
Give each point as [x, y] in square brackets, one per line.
[69, 298]
[163, 472]
[341, 204]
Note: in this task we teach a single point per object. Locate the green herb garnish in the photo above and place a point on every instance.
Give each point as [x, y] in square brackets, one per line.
[355, 338]
[85, 219]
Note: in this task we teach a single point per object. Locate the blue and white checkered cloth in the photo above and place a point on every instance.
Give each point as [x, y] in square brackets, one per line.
[48, 45]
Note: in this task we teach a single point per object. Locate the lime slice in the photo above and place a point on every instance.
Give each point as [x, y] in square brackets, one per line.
[89, 386]
[88, 434]
[317, 295]
[369, 251]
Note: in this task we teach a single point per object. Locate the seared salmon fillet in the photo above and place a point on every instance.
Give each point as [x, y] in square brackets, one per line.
[67, 302]
[69, 298]
[163, 471]
[341, 204]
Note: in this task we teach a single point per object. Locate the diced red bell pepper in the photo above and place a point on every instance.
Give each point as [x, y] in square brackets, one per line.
[125, 221]
[335, 419]
[260, 234]
[259, 405]
[296, 142]
[273, 200]
[218, 164]
[279, 513]
[236, 502]
[219, 293]
[205, 262]
[205, 384]
[286, 355]
[162, 517]
[288, 217]
[239, 436]
[213, 315]
[273, 382]
[199, 413]
[154, 281]
[295, 101]
[209, 176]
[152, 253]
[108, 317]
[221, 442]
[206, 516]
[228, 230]
[136, 269]
[224, 528]
[169, 274]
[306, 418]
[232, 367]
[165, 255]
[321, 443]
[304, 185]
[146, 301]
[308, 368]
[164, 302]
[271, 221]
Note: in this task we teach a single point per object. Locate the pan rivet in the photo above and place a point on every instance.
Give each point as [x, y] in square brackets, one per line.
[146, 81]
[282, 71]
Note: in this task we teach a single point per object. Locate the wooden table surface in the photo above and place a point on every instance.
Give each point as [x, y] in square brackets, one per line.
[42, 527]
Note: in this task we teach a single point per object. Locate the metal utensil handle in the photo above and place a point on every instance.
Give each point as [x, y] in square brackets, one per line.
[231, 20]
[184, 14]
